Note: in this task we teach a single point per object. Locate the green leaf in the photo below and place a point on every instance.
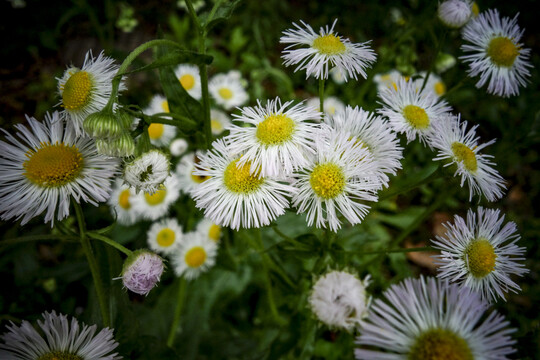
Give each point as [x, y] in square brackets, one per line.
[223, 13]
[173, 58]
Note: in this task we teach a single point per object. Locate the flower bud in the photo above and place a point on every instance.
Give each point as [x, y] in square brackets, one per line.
[103, 125]
[142, 271]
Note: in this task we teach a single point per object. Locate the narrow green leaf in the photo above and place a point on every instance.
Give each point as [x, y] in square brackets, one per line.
[223, 13]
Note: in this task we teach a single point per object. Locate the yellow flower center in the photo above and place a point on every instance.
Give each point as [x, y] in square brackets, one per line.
[502, 51]
[329, 45]
[165, 106]
[199, 178]
[155, 131]
[216, 125]
[76, 91]
[59, 355]
[239, 180]
[481, 258]
[465, 155]
[187, 81]
[195, 257]
[225, 93]
[327, 180]
[439, 88]
[475, 9]
[416, 116]
[123, 199]
[275, 129]
[165, 237]
[156, 198]
[53, 165]
[440, 344]
[214, 232]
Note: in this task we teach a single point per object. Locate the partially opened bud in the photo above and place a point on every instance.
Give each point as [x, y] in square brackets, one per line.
[103, 125]
[142, 271]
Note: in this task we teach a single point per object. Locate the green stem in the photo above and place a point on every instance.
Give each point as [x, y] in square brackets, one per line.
[177, 311]
[94, 269]
[321, 97]
[439, 44]
[110, 242]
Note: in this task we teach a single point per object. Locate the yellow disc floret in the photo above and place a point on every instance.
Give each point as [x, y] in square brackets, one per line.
[440, 344]
[214, 232]
[238, 179]
[195, 257]
[187, 81]
[502, 51]
[156, 198]
[155, 131]
[53, 165]
[76, 91]
[165, 237]
[481, 258]
[165, 106]
[216, 126]
[416, 116]
[465, 155]
[199, 178]
[59, 355]
[225, 93]
[439, 88]
[275, 129]
[123, 199]
[329, 45]
[327, 180]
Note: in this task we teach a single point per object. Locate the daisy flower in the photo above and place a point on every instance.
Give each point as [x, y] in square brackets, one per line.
[434, 84]
[338, 180]
[331, 105]
[148, 171]
[455, 13]
[480, 253]
[210, 230]
[279, 140]
[325, 51]
[86, 90]
[153, 206]
[164, 236]
[187, 180]
[373, 134]
[46, 165]
[388, 80]
[160, 134]
[339, 300]
[337, 76]
[496, 54]
[197, 254]
[59, 339]
[189, 77]
[430, 319]
[234, 196]
[142, 271]
[178, 147]
[120, 203]
[227, 90]
[461, 147]
[219, 121]
[411, 111]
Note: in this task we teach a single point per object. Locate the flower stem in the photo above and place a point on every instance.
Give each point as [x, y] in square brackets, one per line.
[110, 242]
[177, 311]
[321, 97]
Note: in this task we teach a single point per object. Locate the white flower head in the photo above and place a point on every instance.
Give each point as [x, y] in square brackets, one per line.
[86, 90]
[279, 140]
[165, 236]
[455, 13]
[160, 134]
[187, 180]
[120, 202]
[190, 79]
[339, 300]
[210, 230]
[496, 54]
[324, 51]
[59, 339]
[142, 271]
[388, 80]
[196, 255]
[480, 253]
[233, 195]
[431, 319]
[331, 105]
[337, 76]
[154, 205]
[45, 165]
[434, 83]
[219, 121]
[148, 171]
[178, 147]
[227, 90]
[461, 147]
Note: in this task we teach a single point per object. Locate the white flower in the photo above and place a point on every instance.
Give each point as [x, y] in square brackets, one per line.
[481, 254]
[189, 77]
[86, 90]
[279, 140]
[337, 76]
[160, 134]
[388, 80]
[325, 51]
[411, 111]
[496, 54]
[120, 203]
[165, 236]
[187, 180]
[227, 90]
[461, 147]
[197, 254]
[210, 230]
[142, 271]
[434, 84]
[153, 206]
[61, 339]
[219, 121]
[430, 319]
[455, 13]
[374, 134]
[339, 300]
[338, 180]
[178, 147]
[331, 105]
[232, 195]
[45, 166]
[148, 171]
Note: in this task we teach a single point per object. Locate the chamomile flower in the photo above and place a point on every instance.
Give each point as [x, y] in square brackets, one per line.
[227, 90]
[189, 77]
[411, 111]
[46, 165]
[178, 147]
[324, 51]
[496, 54]
[207, 228]
[233, 195]
[279, 140]
[331, 105]
[480, 253]
[458, 146]
[187, 180]
[373, 134]
[120, 203]
[148, 171]
[430, 319]
[155, 205]
[160, 134]
[455, 13]
[219, 121]
[339, 300]
[196, 255]
[339, 178]
[86, 90]
[59, 339]
[165, 236]
[388, 80]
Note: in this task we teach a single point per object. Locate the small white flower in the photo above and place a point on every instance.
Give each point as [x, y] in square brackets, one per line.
[160, 134]
[189, 77]
[61, 339]
[337, 76]
[455, 13]
[142, 271]
[197, 254]
[178, 147]
[496, 54]
[210, 230]
[434, 84]
[165, 236]
[148, 171]
[219, 121]
[187, 180]
[227, 90]
[155, 205]
[331, 105]
[120, 202]
[325, 51]
[339, 300]
[388, 80]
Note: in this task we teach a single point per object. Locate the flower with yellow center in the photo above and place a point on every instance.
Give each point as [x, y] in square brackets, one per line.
[195, 255]
[227, 90]
[387, 80]
[185, 173]
[165, 236]
[121, 205]
[148, 171]
[332, 105]
[160, 134]
[152, 206]
[481, 253]
[494, 52]
[43, 167]
[190, 79]
[219, 121]
[210, 230]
